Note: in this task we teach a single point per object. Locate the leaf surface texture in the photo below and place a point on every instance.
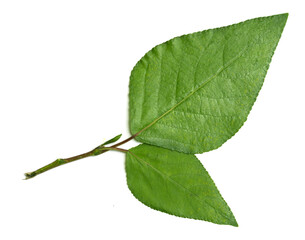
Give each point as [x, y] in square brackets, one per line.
[194, 92]
[175, 183]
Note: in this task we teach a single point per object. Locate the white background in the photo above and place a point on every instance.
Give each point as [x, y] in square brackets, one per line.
[64, 73]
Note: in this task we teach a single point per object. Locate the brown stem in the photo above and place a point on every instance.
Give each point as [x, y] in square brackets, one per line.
[61, 161]
[58, 162]
[125, 141]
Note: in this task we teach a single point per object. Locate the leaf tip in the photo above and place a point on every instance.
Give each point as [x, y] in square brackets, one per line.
[234, 222]
[283, 17]
[230, 220]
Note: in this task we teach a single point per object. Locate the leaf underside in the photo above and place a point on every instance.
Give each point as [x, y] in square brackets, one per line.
[175, 183]
[194, 92]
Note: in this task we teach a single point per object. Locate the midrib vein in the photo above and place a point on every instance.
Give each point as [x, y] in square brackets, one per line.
[178, 184]
[194, 91]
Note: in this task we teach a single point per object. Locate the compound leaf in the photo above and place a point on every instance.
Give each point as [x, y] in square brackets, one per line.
[175, 183]
[194, 92]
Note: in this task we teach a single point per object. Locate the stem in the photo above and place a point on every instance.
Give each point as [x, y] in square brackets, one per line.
[125, 141]
[61, 161]
[116, 149]
[56, 163]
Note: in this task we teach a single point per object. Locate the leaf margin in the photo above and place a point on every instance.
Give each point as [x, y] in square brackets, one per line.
[138, 136]
[232, 221]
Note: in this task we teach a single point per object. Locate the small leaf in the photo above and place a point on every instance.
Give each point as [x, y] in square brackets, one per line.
[112, 140]
[175, 183]
[194, 92]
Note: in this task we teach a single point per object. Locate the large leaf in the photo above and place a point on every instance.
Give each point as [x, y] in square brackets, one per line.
[175, 183]
[194, 92]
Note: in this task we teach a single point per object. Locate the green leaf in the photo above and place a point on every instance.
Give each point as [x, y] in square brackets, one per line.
[194, 92]
[175, 183]
[112, 140]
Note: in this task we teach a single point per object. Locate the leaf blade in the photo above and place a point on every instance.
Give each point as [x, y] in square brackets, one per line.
[175, 183]
[194, 92]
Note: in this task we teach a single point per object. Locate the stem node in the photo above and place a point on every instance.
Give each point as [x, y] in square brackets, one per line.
[60, 161]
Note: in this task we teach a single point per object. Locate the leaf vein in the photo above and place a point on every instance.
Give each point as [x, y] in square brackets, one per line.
[194, 91]
[206, 114]
[178, 184]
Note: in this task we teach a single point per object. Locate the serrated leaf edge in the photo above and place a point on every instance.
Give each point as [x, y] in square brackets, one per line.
[233, 223]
